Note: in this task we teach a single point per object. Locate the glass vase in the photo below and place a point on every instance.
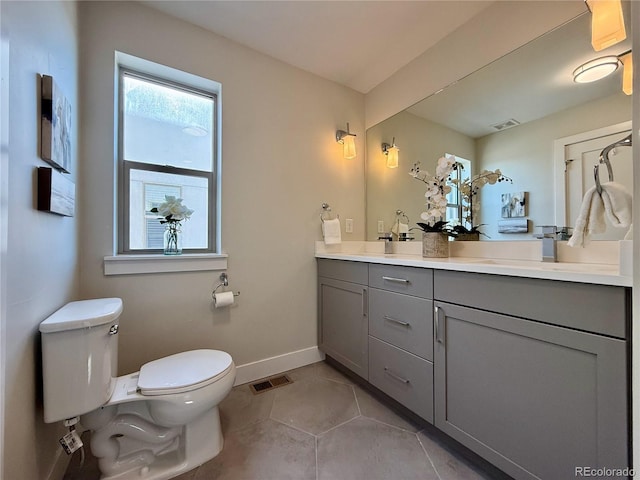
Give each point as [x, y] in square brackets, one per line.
[172, 240]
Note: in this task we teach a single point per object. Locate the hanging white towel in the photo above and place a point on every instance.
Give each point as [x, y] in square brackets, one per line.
[399, 228]
[614, 203]
[331, 232]
[617, 204]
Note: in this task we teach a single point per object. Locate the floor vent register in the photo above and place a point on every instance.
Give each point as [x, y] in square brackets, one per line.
[270, 383]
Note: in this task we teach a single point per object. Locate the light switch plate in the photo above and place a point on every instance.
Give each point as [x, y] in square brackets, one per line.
[348, 225]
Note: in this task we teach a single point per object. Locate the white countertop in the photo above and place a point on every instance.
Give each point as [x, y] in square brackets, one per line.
[597, 273]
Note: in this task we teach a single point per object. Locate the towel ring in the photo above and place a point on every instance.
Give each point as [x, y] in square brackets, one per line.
[596, 176]
[400, 213]
[604, 159]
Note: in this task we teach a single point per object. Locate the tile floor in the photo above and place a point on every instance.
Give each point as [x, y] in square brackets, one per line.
[322, 426]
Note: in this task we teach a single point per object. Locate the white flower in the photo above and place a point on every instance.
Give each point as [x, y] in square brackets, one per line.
[172, 210]
[445, 166]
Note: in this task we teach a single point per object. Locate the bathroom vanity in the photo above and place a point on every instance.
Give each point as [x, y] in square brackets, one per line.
[527, 367]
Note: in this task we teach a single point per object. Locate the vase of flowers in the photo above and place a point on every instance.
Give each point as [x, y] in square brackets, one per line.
[172, 212]
[435, 231]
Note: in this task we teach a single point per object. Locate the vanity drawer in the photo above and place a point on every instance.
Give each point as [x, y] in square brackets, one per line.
[403, 376]
[408, 280]
[402, 320]
[354, 272]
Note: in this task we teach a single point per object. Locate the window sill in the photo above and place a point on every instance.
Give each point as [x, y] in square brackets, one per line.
[189, 262]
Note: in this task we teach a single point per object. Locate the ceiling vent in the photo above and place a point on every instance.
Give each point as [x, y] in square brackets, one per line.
[512, 122]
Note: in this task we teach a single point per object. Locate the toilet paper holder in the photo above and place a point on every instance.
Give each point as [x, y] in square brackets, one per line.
[224, 282]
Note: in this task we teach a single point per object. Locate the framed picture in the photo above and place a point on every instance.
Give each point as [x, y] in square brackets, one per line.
[514, 205]
[55, 125]
[517, 225]
[56, 193]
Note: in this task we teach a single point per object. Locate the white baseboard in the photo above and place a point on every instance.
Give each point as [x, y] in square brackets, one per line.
[273, 365]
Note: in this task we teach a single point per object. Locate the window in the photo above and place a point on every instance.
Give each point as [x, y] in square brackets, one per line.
[456, 205]
[167, 146]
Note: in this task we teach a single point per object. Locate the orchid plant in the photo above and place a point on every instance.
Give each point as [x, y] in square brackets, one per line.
[469, 189]
[436, 194]
[440, 184]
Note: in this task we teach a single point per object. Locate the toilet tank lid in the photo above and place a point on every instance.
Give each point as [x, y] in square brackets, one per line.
[182, 371]
[83, 314]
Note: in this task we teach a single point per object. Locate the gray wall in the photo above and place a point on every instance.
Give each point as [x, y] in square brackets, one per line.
[41, 260]
[280, 162]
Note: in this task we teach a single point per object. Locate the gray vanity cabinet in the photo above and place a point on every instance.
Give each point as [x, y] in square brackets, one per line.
[401, 335]
[342, 303]
[535, 399]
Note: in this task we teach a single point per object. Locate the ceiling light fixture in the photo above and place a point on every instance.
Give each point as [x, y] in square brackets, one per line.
[348, 140]
[607, 23]
[391, 151]
[595, 70]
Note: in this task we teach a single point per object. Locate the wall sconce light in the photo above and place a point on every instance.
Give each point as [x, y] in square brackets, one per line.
[348, 140]
[595, 70]
[627, 75]
[607, 23]
[391, 151]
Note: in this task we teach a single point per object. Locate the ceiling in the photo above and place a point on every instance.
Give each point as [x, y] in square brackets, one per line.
[357, 43]
[530, 83]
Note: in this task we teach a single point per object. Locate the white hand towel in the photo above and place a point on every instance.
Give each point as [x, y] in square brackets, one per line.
[617, 204]
[614, 203]
[590, 219]
[399, 228]
[331, 232]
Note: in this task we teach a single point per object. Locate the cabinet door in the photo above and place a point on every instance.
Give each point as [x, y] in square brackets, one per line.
[535, 400]
[344, 323]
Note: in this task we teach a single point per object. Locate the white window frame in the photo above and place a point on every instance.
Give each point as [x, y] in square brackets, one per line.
[155, 262]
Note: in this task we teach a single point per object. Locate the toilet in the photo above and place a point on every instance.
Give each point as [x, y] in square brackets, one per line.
[153, 424]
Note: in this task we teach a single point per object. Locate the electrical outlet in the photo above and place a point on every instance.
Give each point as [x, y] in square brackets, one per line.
[380, 226]
[348, 225]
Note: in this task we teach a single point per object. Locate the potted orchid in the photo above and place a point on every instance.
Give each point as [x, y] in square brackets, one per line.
[435, 230]
[172, 212]
[469, 189]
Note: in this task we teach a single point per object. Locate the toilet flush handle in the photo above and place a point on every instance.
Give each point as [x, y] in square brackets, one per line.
[114, 329]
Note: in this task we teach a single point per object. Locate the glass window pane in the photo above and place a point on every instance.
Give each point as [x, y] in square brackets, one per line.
[164, 125]
[147, 189]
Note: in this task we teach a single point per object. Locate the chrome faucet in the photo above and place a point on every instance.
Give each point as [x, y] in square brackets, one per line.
[388, 247]
[549, 245]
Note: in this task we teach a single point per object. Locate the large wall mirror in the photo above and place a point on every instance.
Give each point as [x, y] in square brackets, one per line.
[515, 115]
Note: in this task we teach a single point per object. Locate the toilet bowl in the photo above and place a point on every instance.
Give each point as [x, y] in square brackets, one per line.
[153, 424]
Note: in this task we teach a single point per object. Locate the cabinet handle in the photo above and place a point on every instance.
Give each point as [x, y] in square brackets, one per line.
[395, 320]
[397, 280]
[439, 328]
[365, 302]
[393, 375]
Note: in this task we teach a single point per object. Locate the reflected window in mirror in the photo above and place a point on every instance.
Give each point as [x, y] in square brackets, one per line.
[455, 204]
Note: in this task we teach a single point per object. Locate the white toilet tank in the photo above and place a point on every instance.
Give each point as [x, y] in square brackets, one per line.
[79, 357]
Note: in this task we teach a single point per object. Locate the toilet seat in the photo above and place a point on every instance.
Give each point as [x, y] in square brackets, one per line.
[183, 372]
